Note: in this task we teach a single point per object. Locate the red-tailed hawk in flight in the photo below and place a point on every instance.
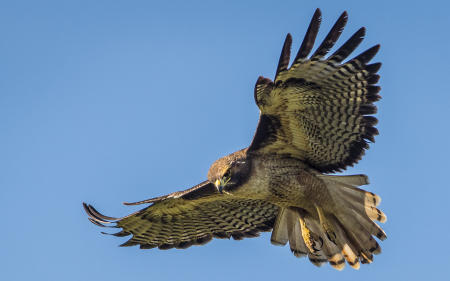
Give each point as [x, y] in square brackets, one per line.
[315, 119]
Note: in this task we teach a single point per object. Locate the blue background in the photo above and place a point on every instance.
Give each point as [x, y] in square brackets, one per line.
[112, 101]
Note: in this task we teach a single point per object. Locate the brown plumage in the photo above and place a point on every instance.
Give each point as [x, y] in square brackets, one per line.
[315, 118]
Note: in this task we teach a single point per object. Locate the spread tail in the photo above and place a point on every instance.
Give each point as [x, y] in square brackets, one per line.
[344, 235]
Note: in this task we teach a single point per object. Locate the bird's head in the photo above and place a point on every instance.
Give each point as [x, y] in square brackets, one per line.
[230, 172]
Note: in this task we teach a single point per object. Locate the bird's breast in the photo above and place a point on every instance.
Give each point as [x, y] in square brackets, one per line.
[277, 181]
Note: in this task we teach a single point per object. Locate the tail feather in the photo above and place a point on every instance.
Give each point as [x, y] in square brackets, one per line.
[364, 206]
[368, 224]
[337, 261]
[280, 229]
[356, 180]
[343, 242]
[336, 235]
[348, 188]
[375, 214]
[360, 238]
[355, 214]
[296, 241]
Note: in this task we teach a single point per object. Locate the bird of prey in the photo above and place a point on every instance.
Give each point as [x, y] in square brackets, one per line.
[315, 119]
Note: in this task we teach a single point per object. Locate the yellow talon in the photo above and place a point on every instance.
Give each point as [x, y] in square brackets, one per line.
[311, 239]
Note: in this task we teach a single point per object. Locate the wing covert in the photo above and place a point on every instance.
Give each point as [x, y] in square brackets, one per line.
[319, 110]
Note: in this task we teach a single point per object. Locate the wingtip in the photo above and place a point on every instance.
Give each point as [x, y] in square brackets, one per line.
[285, 55]
[363, 30]
[317, 17]
[342, 20]
[317, 13]
[96, 217]
[86, 207]
[374, 49]
[360, 33]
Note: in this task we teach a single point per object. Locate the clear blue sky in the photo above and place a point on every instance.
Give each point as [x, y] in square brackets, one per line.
[112, 101]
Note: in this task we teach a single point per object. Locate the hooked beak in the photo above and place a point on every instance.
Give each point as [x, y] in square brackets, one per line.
[219, 185]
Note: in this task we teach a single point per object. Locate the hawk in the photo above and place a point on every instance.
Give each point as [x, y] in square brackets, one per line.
[315, 119]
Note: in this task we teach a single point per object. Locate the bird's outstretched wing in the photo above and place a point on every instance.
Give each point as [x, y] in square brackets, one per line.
[190, 217]
[318, 110]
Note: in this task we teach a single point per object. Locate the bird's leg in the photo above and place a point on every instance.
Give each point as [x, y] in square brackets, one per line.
[331, 235]
[313, 241]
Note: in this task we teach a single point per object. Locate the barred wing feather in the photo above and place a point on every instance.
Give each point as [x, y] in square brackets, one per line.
[319, 110]
[191, 217]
